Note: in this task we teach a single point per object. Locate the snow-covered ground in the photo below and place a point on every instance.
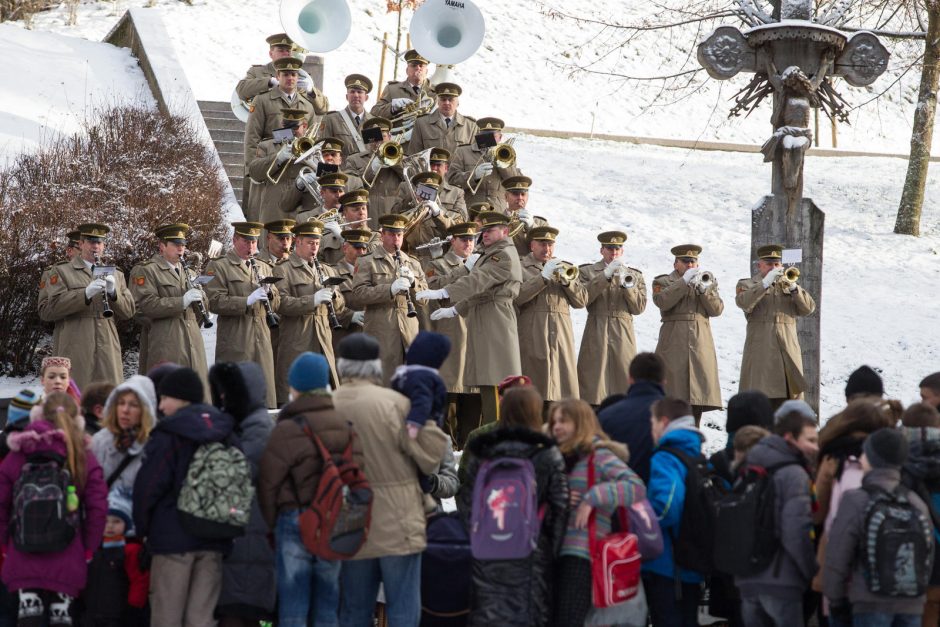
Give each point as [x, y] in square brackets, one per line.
[878, 305]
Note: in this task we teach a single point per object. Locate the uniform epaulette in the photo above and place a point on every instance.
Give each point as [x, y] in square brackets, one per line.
[64, 262]
[472, 119]
[264, 261]
[541, 218]
[281, 261]
[636, 269]
[661, 276]
[585, 265]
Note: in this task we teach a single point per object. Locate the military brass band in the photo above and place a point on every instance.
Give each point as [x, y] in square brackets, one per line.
[411, 215]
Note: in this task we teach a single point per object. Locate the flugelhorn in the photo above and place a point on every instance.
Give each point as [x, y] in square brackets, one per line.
[565, 272]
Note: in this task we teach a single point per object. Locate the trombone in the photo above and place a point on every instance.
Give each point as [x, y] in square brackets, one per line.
[411, 165]
[502, 156]
[304, 149]
[390, 154]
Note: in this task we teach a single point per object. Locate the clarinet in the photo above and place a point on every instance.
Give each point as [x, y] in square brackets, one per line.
[271, 318]
[106, 311]
[411, 306]
[330, 310]
[197, 306]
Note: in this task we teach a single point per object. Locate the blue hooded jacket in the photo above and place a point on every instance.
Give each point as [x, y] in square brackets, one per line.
[666, 492]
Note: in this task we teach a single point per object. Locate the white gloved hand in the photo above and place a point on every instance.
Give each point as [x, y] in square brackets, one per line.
[272, 81]
[689, 275]
[400, 103]
[701, 287]
[433, 208]
[109, 280]
[94, 288]
[612, 268]
[526, 218]
[405, 272]
[471, 261]
[358, 317]
[482, 170]
[191, 296]
[772, 276]
[445, 312]
[307, 178]
[322, 296]
[304, 83]
[432, 294]
[258, 295]
[400, 285]
[374, 166]
[283, 155]
[790, 287]
[549, 269]
[333, 227]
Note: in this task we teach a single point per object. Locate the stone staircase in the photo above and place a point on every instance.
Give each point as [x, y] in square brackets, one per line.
[228, 134]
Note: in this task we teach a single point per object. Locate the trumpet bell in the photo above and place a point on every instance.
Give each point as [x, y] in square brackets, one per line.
[240, 108]
[504, 156]
[566, 272]
[317, 25]
[391, 153]
[447, 31]
[791, 274]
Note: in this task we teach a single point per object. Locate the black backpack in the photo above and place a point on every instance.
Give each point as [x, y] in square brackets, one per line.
[42, 522]
[746, 537]
[704, 488]
[897, 544]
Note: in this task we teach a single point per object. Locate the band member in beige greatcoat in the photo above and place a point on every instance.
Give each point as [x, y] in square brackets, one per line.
[383, 287]
[483, 291]
[164, 298]
[473, 170]
[445, 127]
[74, 300]
[687, 300]
[345, 124]
[615, 293]
[546, 339]
[399, 94]
[235, 295]
[772, 361]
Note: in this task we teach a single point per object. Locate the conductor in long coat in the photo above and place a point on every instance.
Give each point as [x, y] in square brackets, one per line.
[615, 293]
[305, 323]
[234, 294]
[772, 361]
[687, 300]
[483, 290]
[74, 300]
[164, 298]
[546, 338]
[383, 285]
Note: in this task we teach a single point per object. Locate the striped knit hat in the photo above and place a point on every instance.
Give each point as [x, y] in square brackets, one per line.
[20, 406]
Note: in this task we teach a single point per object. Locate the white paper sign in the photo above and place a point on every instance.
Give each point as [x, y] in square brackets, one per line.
[791, 256]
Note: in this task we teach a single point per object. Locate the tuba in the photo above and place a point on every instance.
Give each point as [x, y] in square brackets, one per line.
[317, 25]
[447, 32]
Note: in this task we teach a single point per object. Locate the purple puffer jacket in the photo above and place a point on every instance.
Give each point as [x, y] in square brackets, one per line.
[65, 571]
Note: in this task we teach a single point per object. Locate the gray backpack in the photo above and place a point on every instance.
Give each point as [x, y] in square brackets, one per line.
[215, 499]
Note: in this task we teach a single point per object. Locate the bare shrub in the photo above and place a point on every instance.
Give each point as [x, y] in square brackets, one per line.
[133, 168]
[24, 9]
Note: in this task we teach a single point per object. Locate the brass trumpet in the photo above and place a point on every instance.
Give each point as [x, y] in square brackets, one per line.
[628, 277]
[565, 273]
[390, 153]
[792, 274]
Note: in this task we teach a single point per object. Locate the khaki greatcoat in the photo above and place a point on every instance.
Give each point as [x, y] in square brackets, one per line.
[452, 370]
[484, 296]
[345, 271]
[546, 338]
[392, 461]
[266, 116]
[82, 334]
[399, 89]
[608, 343]
[173, 333]
[304, 326]
[386, 316]
[685, 340]
[334, 125]
[462, 163]
[430, 131]
[384, 189]
[242, 333]
[772, 360]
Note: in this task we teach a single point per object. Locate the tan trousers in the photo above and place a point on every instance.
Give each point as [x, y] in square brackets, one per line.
[184, 589]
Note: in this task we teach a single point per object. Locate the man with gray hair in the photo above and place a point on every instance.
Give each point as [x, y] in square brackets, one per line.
[392, 553]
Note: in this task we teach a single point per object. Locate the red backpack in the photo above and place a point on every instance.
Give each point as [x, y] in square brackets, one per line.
[335, 524]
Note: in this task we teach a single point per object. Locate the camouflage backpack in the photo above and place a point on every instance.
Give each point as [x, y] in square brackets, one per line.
[215, 499]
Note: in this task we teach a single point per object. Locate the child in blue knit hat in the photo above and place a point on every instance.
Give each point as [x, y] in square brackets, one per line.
[17, 416]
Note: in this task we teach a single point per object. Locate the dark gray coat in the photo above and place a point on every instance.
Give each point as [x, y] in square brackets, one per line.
[842, 572]
[794, 565]
[248, 573]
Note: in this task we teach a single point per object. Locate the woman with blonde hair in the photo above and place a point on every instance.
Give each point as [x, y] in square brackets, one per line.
[582, 442]
[125, 427]
[47, 582]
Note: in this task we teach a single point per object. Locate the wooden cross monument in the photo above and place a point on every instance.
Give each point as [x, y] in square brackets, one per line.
[793, 57]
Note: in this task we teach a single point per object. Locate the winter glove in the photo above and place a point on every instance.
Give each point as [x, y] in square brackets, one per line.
[400, 285]
[94, 288]
[283, 155]
[445, 312]
[701, 287]
[191, 296]
[304, 83]
[434, 208]
[358, 317]
[482, 170]
[322, 296]
[612, 268]
[526, 217]
[374, 166]
[333, 227]
[272, 82]
[110, 284]
[549, 269]
[471, 261]
[689, 275]
[307, 178]
[771, 277]
[258, 295]
[400, 103]
[432, 294]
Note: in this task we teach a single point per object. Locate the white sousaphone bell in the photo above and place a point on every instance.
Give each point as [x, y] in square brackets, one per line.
[316, 25]
[447, 32]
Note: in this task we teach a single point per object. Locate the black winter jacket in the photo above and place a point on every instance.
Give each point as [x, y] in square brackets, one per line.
[517, 593]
